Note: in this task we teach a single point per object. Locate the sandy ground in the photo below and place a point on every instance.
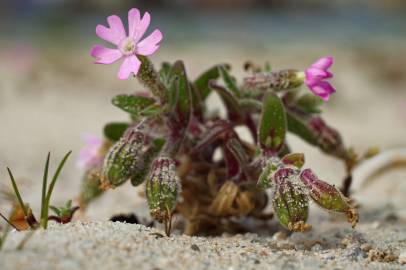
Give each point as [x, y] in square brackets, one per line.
[46, 103]
[107, 245]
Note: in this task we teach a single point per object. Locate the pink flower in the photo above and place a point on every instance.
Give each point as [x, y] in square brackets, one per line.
[90, 155]
[316, 75]
[128, 46]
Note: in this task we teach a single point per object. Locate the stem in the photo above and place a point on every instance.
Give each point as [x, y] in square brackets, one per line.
[168, 223]
[17, 192]
[51, 188]
[8, 222]
[44, 188]
[150, 78]
[348, 179]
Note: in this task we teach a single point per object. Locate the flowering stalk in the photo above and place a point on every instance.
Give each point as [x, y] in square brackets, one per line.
[150, 79]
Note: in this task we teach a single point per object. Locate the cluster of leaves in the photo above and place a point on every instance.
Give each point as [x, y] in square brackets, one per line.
[22, 216]
[175, 128]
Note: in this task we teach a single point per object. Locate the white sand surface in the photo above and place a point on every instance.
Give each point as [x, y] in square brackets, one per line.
[108, 245]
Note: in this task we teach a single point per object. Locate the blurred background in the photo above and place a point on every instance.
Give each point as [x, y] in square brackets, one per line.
[51, 92]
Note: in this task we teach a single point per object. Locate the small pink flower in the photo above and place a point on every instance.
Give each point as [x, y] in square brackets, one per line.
[316, 75]
[89, 155]
[128, 46]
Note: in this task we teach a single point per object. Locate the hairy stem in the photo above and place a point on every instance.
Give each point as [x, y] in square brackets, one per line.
[149, 77]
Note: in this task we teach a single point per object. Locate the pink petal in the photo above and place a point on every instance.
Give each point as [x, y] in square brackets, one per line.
[322, 89]
[134, 18]
[315, 75]
[115, 33]
[89, 155]
[137, 26]
[105, 55]
[130, 65]
[149, 45]
[323, 63]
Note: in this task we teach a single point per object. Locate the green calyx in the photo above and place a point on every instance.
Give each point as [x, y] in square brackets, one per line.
[162, 189]
[120, 162]
[290, 202]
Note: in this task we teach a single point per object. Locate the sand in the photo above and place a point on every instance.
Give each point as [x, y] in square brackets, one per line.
[108, 245]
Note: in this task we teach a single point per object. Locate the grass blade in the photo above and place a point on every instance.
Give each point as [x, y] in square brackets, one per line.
[8, 222]
[51, 187]
[44, 189]
[17, 192]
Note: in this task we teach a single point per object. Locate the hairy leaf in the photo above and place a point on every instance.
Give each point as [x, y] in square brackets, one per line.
[229, 81]
[114, 131]
[272, 127]
[229, 100]
[202, 82]
[132, 104]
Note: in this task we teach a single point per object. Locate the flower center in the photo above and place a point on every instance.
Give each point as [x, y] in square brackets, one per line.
[127, 46]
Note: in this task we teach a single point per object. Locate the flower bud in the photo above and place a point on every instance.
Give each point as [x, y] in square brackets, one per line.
[277, 80]
[290, 202]
[162, 188]
[120, 162]
[294, 159]
[328, 138]
[328, 196]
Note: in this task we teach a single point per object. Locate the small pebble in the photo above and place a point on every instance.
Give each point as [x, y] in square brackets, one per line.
[376, 225]
[402, 257]
[285, 245]
[316, 247]
[278, 236]
[195, 247]
[366, 247]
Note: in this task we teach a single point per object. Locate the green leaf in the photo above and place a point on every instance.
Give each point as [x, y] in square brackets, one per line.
[132, 104]
[267, 67]
[180, 108]
[298, 126]
[202, 82]
[229, 81]
[53, 182]
[44, 188]
[309, 103]
[272, 127]
[250, 105]
[229, 100]
[114, 131]
[17, 193]
[56, 210]
[165, 74]
[181, 93]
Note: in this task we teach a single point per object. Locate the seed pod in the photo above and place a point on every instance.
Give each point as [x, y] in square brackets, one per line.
[162, 188]
[294, 159]
[328, 196]
[290, 201]
[120, 162]
[277, 80]
[328, 138]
